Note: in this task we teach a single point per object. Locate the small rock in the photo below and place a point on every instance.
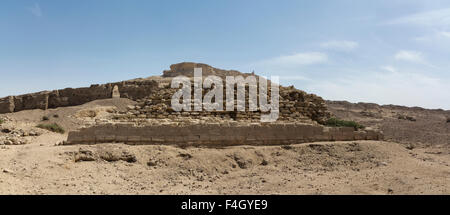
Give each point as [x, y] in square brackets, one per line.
[241, 161]
[185, 156]
[286, 147]
[33, 133]
[130, 158]
[85, 151]
[404, 117]
[84, 155]
[7, 171]
[6, 130]
[151, 163]
[409, 147]
[410, 118]
[382, 163]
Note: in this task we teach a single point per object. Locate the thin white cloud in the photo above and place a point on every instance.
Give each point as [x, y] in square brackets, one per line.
[410, 56]
[294, 78]
[399, 87]
[389, 69]
[444, 34]
[36, 10]
[288, 67]
[340, 45]
[296, 60]
[440, 36]
[439, 17]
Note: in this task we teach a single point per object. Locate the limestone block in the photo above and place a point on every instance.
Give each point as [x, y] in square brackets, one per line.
[115, 92]
[7, 105]
[134, 139]
[360, 135]
[121, 139]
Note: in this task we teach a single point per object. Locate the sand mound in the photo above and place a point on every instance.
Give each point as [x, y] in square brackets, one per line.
[95, 112]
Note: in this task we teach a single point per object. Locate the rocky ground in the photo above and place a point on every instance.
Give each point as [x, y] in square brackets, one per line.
[415, 126]
[414, 160]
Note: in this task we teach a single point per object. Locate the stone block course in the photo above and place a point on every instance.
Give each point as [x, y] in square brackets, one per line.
[213, 134]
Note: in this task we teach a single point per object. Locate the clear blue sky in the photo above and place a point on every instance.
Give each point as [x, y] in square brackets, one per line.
[387, 51]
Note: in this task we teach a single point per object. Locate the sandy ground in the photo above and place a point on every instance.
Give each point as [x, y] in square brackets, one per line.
[365, 167]
[355, 167]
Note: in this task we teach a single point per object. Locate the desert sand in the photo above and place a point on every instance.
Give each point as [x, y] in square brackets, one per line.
[414, 159]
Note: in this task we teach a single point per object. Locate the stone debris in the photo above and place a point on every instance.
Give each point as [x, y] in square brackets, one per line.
[404, 117]
[295, 105]
[105, 155]
[12, 141]
[13, 136]
[84, 155]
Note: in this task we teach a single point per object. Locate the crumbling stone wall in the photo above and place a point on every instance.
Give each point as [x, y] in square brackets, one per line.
[187, 69]
[76, 96]
[31, 101]
[217, 134]
[7, 104]
[295, 105]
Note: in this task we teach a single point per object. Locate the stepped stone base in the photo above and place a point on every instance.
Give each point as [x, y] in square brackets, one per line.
[213, 135]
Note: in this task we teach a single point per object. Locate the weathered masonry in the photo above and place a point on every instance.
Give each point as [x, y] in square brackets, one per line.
[77, 96]
[217, 134]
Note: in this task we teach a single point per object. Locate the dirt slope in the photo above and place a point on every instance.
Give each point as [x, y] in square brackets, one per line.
[356, 167]
[319, 168]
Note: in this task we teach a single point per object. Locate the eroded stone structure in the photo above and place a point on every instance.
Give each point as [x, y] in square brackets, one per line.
[217, 134]
[135, 89]
[115, 92]
[187, 69]
[295, 105]
[153, 121]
